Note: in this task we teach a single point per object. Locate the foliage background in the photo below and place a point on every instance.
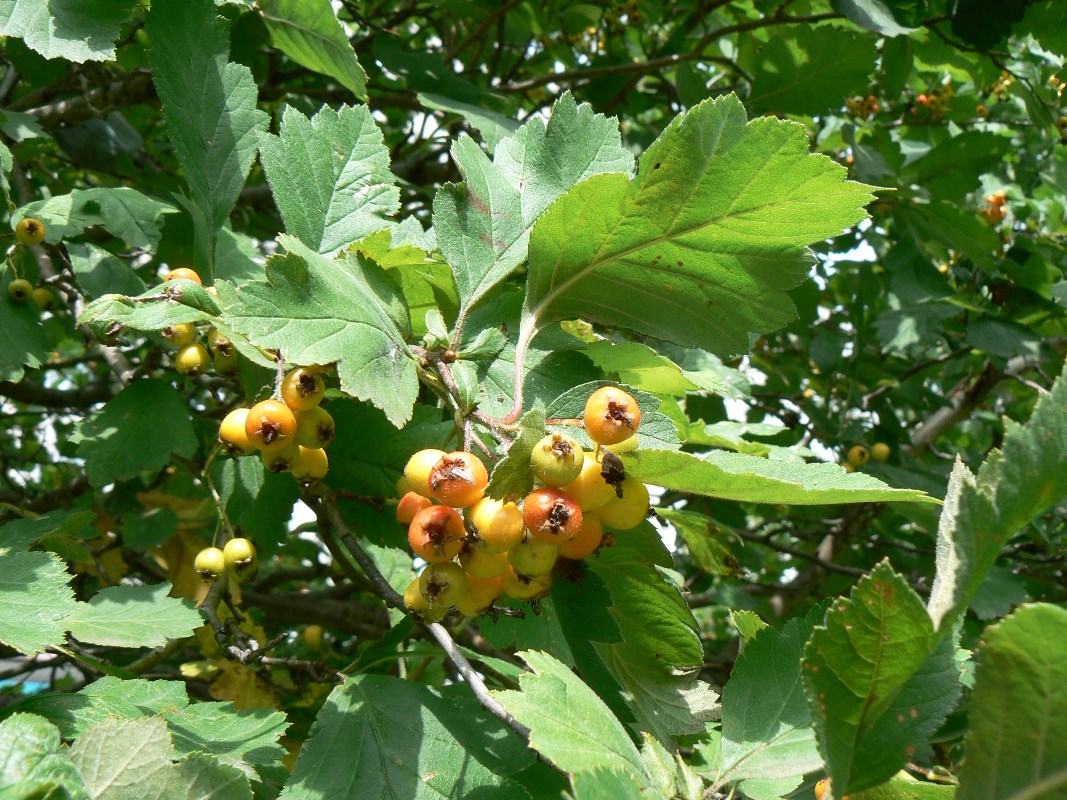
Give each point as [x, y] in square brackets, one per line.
[153, 137]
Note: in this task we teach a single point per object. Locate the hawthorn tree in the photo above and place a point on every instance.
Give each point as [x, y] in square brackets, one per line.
[296, 290]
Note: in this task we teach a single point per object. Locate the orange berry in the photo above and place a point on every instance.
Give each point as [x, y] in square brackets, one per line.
[410, 505]
[458, 479]
[436, 534]
[611, 415]
[184, 272]
[271, 425]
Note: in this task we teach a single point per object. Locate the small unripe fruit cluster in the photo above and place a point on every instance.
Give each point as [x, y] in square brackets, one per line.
[858, 455]
[931, 105]
[289, 434]
[237, 558]
[192, 357]
[862, 107]
[20, 290]
[479, 548]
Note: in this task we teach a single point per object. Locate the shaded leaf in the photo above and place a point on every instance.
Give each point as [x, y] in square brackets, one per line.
[36, 601]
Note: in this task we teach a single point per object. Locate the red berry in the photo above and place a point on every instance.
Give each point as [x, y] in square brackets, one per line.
[551, 516]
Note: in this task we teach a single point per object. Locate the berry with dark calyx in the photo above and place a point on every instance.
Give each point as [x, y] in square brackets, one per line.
[629, 510]
[184, 273]
[858, 455]
[410, 505]
[44, 298]
[310, 465]
[226, 366]
[417, 470]
[219, 344]
[498, 524]
[278, 461]
[611, 415]
[20, 290]
[587, 540]
[314, 427]
[481, 594]
[443, 584]
[551, 515]
[210, 563]
[302, 389]
[192, 360]
[532, 557]
[478, 561]
[590, 490]
[421, 608]
[880, 451]
[179, 334]
[557, 459]
[240, 555]
[30, 231]
[436, 534]
[520, 587]
[232, 433]
[458, 479]
[271, 425]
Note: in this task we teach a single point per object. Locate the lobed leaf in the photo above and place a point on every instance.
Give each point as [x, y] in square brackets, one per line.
[330, 176]
[33, 763]
[37, 599]
[76, 30]
[317, 311]
[701, 247]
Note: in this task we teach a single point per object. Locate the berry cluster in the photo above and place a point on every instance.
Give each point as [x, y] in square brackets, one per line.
[288, 433]
[478, 548]
[994, 211]
[30, 232]
[192, 358]
[858, 455]
[862, 107]
[933, 103]
[237, 557]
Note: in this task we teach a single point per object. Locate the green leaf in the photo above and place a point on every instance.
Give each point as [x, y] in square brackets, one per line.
[126, 213]
[603, 783]
[406, 740]
[1014, 486]
[640, 366]
[1015, 746]
[240, 738]
[330, 176]
[492, 125]
[858, 666]
[108, 697]
[369, 454]
[121, 441]
[569, 725]
[118, 758]
[21, 534]
[905, 787]
[540, 631]
[33, 762]
[309, 32]
[317, 311]
[952, 169]
[36, 601]
[736, 476]
[22, 339]
[657, 625]
[210, 109]
[132, 760]
[708, 543]
[808, 70]
[513, 477]
[483, 224]
[99, 272]
[766, 726]
[256, 499]
[871, 15]
[133, 616]
[665, 706]
[77, 30]
[700, 248]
